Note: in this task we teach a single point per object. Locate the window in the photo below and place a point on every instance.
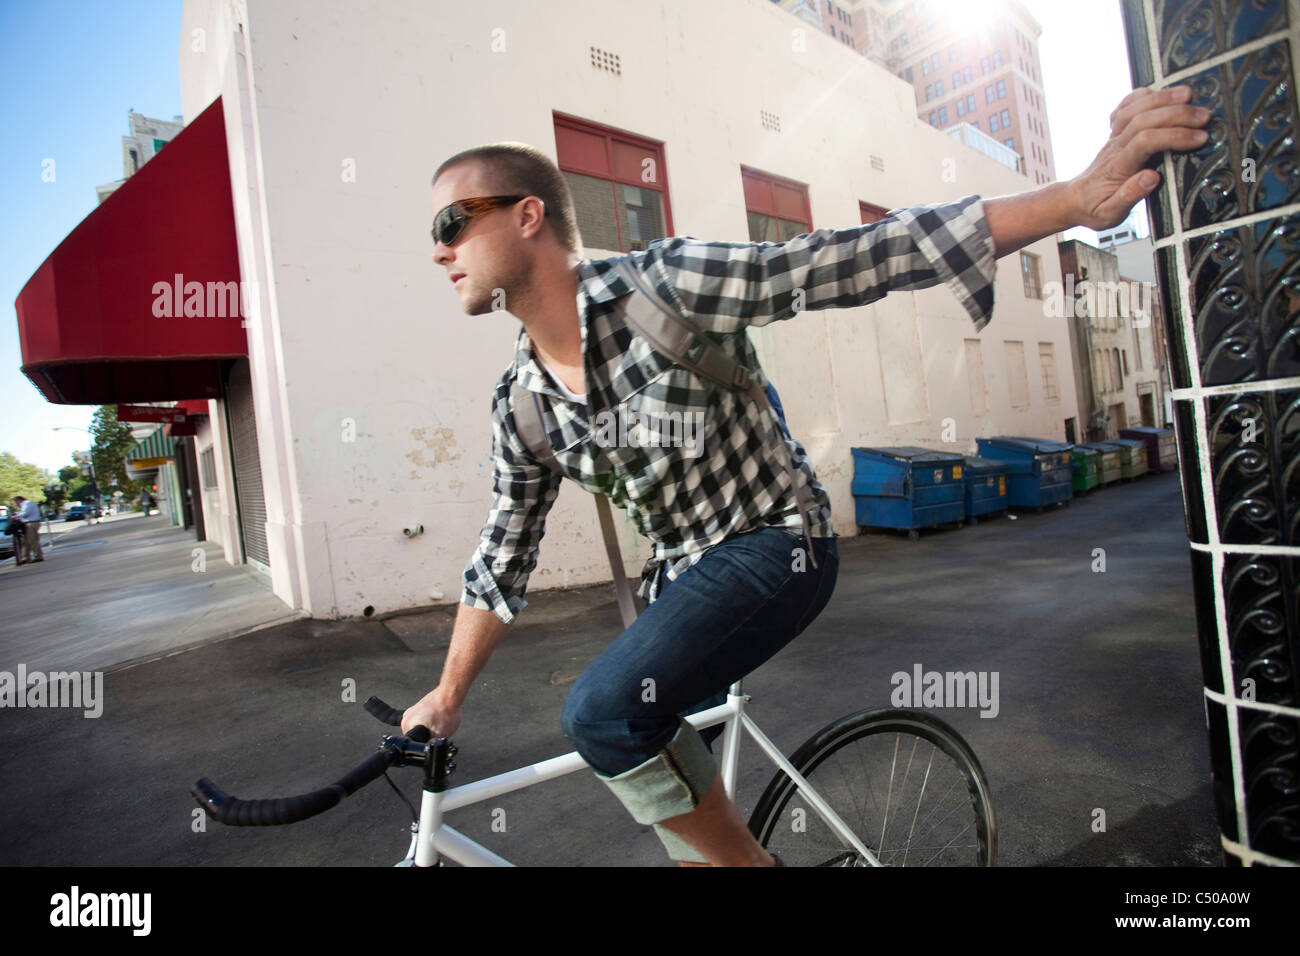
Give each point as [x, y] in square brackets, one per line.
[967, 75]
[988, 94]
[943, 116]
[1047, 363]
[979, 395]
[618, 185]
[938, 87]
[993, 123]
[1137, 341]
[934, 118]
[1124, 353]
[997, 59]
[952, 53]
[961, 107]
[1017, 378]
[934, 63]
[1006, 119]
[975, 123]
[984, 64]
[1119, 374]
[777, 209]
[870, 212]
[1002, 88]
[970, 103]
[956, 79]
[929, 92]
[1031, 276]
[908, 74]
[925, 67]
[1011, 142]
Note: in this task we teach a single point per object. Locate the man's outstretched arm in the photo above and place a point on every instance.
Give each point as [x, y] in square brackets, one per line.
[1144, 123]
[726, 286]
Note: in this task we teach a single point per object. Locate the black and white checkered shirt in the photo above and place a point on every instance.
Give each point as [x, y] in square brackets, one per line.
[687, 499]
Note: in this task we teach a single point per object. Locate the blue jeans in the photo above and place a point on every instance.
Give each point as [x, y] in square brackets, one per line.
[732, 610]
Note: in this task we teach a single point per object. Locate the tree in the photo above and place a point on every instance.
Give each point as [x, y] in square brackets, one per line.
[21, 478]
[112, 441]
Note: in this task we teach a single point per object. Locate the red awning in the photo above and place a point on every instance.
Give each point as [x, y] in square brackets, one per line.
[194, 407]
[104, 319]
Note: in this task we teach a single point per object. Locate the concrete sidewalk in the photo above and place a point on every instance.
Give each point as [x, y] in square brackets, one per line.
[1100, 707]
[125, 589]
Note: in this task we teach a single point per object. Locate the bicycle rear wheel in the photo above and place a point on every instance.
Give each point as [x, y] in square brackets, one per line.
[907, 785]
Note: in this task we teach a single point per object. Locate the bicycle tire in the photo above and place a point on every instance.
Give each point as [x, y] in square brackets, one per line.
[817, 845]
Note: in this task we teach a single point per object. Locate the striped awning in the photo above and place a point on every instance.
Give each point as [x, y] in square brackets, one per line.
[157, 449]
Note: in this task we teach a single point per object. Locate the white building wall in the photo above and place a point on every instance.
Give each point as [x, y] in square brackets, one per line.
[373, 389]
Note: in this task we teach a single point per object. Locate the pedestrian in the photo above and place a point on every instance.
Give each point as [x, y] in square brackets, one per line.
[726, 586]
[30, 514]
[15, 530]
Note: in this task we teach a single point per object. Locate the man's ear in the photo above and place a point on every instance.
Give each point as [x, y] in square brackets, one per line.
[534, 215]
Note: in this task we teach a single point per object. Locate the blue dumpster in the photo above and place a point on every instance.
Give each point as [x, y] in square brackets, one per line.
[1040, 469]
[986, 487]
[907, 488]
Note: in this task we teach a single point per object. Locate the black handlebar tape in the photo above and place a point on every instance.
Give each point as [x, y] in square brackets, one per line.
[386, 714]
[420, 734]
[264, 813]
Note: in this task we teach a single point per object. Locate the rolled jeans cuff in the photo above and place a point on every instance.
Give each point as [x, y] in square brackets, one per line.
[670, 783]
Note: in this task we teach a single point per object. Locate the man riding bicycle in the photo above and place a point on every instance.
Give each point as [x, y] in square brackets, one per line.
[744, 552]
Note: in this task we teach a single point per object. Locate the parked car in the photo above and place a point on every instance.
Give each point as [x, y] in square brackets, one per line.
[6, 540]
[77, 513]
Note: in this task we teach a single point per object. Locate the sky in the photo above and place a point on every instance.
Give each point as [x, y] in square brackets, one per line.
[71, 69]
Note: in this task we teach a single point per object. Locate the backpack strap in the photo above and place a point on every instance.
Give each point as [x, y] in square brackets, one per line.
[663, 326]
[532, 432]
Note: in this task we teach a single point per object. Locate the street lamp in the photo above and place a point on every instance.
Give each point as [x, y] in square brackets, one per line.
[90, 458]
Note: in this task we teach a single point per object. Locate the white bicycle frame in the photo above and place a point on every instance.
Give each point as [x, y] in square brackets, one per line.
[432, 838]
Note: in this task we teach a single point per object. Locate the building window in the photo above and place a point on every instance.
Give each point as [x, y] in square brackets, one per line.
[938, 87]
[934, 63]
[952, 53]
[1010, 142]
[1017, 377]
[777, 209]
[943, 116]
[956, 79]
[984, 64]
[993, 123]
[1047, 362]
[1119, 374]
[1124, 353]
[908, 74]
[988, 94]
[997, 59]
[1006, 118]
[929, 92]
[934, 121]
[967, 75]
[1002, 88]
[975, 123]
[970, 103]
[870, 212]
[618, 185]
[1137, 341]
[1029, 273]
[925, 67]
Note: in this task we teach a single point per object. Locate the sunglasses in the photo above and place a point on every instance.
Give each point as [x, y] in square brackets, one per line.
[452, 219]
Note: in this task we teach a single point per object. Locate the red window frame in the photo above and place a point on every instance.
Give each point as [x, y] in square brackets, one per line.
[870, 212]
[776, 196]
[611, 163]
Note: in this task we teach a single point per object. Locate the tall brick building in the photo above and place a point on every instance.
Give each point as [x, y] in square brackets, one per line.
[987, 76]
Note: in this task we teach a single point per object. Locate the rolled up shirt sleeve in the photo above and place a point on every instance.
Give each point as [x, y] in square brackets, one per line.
[725, 286]
[496, 576]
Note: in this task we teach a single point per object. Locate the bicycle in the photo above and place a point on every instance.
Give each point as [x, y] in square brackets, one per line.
[804, 822]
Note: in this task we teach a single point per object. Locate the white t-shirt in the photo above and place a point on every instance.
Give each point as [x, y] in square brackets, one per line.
[571, 396]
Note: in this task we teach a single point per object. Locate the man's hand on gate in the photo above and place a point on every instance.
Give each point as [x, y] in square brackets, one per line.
[1146, 122]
